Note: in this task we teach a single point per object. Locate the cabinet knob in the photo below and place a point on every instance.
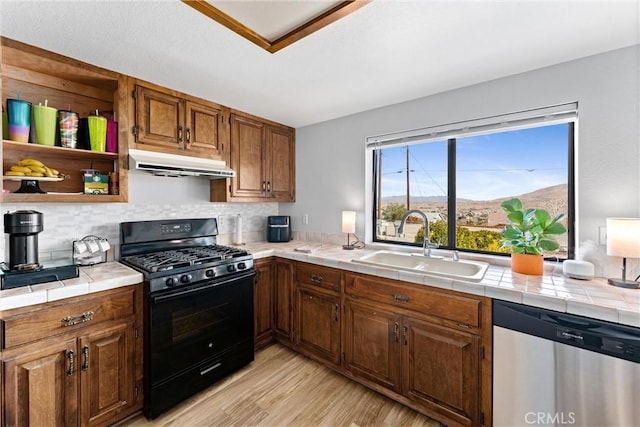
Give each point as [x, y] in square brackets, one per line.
[188, 136]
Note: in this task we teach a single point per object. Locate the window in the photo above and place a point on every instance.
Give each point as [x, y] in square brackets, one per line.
[457, 175]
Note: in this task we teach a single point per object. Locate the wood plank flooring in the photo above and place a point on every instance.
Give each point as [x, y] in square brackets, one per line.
[283, 388]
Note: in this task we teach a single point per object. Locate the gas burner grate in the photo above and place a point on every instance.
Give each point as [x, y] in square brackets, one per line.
[183, 257]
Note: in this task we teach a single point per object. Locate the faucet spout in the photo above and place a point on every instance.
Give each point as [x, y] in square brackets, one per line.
[426, 244]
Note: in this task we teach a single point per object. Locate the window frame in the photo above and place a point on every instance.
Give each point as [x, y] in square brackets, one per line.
[372, 202]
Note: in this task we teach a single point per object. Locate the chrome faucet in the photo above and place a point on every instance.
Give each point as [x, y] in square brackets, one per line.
[426, 244]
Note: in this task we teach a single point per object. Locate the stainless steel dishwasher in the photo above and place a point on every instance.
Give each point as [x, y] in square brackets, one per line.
[558, 369]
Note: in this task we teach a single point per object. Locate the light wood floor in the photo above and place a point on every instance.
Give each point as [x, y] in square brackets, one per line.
[283, 388]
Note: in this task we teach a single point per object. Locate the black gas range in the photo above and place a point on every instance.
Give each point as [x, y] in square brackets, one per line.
[198, 306]
[165, 269]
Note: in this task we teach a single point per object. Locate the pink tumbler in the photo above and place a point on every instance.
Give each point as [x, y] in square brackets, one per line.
[112, 135]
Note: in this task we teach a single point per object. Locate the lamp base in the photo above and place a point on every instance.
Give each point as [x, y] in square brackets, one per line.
[624, 283]
[348, 247]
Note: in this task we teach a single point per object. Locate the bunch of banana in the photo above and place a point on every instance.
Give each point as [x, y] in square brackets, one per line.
[32, 167]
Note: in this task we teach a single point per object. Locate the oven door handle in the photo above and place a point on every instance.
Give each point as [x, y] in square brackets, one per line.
[184, 292]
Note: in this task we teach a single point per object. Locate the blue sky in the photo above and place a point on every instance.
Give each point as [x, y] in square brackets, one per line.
[489, 166]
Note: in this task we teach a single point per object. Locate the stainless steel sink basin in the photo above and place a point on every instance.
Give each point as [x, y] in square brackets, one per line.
[471, 271]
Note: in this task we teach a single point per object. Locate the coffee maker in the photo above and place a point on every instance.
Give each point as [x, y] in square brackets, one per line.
[23, 228]
[24, 269]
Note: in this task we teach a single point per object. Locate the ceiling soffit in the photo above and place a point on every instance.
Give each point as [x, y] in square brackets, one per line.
[333, 12]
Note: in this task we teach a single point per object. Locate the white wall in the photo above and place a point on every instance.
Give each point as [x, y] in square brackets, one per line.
[331, 157]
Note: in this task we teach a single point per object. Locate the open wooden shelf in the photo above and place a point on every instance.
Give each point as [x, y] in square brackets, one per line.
[36, 75]
[38, 149]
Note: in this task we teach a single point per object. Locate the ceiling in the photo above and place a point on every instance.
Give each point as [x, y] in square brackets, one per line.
[383, 53]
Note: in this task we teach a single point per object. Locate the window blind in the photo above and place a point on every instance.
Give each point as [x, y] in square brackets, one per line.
[556, 114]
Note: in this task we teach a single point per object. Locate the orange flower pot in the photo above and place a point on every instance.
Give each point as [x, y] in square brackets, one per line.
[527, 264]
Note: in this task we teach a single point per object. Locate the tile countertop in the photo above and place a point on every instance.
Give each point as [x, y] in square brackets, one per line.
[99, 277]
[591, 298]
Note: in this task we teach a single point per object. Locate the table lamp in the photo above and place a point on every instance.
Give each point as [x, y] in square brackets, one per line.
[348, 226]
[623, 240]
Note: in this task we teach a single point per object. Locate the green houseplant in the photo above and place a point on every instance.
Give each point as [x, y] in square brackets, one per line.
[529, 234]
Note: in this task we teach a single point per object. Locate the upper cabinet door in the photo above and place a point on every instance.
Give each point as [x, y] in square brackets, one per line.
[159, 119]
[281, 176]
[247, 154]
[205, 130]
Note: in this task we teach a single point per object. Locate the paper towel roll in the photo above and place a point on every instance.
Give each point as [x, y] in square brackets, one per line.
[239, 229]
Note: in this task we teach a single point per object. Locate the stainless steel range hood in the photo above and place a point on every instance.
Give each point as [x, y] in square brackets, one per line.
[163, 164]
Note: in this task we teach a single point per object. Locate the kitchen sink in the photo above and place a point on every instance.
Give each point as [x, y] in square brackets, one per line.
[471, 271]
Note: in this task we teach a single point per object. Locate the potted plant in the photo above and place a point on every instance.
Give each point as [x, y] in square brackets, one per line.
[528, 235]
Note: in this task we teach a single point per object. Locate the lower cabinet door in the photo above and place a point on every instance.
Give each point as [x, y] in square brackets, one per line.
[441, 369]
[372, 347]
[263, 304]
[283, 285]
[318, 324]
[40, 386]
[106, 364]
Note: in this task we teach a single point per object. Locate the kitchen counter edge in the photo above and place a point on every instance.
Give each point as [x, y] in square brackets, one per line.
[590, 298]
[95, 278]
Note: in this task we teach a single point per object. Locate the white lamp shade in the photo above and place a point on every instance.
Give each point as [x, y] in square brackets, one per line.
[348, 221]
[623, 237]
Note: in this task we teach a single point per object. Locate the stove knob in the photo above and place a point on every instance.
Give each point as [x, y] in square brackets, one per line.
[186, 278]
[171, 281]
[231, 268]
[210, 273]
[242, 266]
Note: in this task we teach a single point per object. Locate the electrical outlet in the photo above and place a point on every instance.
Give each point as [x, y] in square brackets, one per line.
[602, 235]
[305, 219]
[220, 221]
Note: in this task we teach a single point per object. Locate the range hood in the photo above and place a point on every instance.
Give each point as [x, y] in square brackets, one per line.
[163, 164]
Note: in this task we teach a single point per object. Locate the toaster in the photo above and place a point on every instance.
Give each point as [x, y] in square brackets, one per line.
[278, 228]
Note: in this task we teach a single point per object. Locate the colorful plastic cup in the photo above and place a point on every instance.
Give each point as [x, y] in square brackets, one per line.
[19, 118]
[68, 122]
[97, 133]
[112, 136]
[45, 120]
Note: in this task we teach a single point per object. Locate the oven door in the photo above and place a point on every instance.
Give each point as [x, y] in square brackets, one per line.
[189, 326]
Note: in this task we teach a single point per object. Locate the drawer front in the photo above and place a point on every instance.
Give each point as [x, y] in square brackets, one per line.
[418, 298]
[323, 277]
[58, 317]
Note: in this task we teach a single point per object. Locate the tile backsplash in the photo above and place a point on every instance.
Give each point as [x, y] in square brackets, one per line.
[64, 223]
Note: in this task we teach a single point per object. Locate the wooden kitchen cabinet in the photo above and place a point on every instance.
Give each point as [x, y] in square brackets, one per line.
[318, 324]
[81, 368]
[426, 346]
[372, 344]
[106, 367]
[36, 75]
[283, 293]
[175, 123]
[317, 312]
[263, 302]
[440, 369]
[37, 387]
[262, 154]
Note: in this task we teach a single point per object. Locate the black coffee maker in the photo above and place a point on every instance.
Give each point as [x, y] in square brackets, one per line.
[23, 228]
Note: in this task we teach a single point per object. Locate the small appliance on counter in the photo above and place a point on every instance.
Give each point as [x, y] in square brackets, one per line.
[90, 250]
[279, 228]
[24, 268]
[23, 228]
